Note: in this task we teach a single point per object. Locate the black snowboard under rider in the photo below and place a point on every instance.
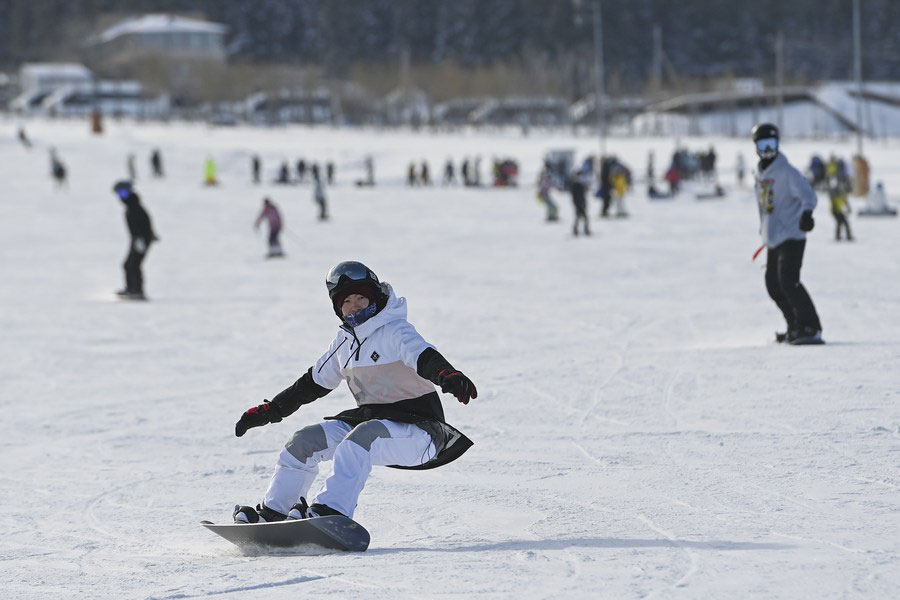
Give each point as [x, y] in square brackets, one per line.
[784, 287]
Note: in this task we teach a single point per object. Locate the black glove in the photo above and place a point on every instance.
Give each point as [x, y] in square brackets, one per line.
[257, 416]
[806, 221]
[454, 382]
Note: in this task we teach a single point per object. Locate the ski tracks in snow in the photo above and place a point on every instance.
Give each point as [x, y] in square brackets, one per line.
[692, 556]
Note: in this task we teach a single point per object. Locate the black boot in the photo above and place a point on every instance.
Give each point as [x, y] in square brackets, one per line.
[806, 336]
[260, 514]
[302, 511]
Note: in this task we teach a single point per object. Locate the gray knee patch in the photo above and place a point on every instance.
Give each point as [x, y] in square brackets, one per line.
[365, 434]
[306, 442]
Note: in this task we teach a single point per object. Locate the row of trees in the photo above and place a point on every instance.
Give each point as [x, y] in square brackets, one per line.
[349, 38]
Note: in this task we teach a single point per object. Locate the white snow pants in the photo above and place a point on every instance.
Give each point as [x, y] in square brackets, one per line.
[354, 450]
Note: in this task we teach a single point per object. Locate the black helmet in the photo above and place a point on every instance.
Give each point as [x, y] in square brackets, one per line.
[765, 136]
[763, 131]
[351, 277]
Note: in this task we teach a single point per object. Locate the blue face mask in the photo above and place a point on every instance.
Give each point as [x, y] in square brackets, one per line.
[361, 316]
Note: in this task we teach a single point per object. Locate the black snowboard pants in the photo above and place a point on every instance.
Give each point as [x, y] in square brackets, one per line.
[134, 278]
[581, 216]
[841, 221]
[784, 287]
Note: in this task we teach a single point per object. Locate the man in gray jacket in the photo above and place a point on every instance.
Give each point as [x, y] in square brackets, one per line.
[786, 203]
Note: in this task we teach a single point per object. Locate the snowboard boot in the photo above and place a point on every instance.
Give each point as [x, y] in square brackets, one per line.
[806, 336]
[260, 514]
[302, 511]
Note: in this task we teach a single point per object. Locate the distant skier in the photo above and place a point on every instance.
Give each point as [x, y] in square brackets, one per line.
[142, 235]
[284, 174]
[673, 178]
[740, 168]
[156, 163]
[619, 187]
[398, 422]
[329, 172]
[604, 185]
[369, 181]
[786, 203]
[301, 170]
[425, 174]
[412, 176]
[131, 168]
[272, 216]
[58, 170]
[210, 172]
[545, 185]
[319, 194]
[256, 168]
[840, 206]
[23, 138]
[370, 171]
[578, 190]
[449, 173]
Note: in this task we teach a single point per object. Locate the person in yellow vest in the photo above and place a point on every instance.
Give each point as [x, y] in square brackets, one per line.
[619, 187]
[840, 206]
[210, 171]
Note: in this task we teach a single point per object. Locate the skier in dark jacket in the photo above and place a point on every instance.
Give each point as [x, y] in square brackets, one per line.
[142, 236]
[255, 167]
[579, 190]
[156, 163]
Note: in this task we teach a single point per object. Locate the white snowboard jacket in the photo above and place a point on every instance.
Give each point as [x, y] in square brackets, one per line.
[783, 195]
[381, 361]
[377, 359]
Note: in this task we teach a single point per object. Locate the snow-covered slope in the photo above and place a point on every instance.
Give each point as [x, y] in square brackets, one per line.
[636, 432]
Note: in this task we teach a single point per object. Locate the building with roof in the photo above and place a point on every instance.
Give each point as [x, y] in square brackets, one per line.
[807, 111]
[160, 36]
[38, 80]
[43, 77]
[311, 107]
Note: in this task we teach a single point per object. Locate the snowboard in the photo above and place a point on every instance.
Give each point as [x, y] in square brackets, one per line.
[121, 295]
[333, 532]
[808, 341]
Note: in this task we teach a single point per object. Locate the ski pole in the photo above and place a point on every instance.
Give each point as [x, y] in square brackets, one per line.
[757, 253]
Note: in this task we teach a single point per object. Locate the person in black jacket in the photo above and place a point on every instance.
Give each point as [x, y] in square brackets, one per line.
[579, 191]
[142, 236]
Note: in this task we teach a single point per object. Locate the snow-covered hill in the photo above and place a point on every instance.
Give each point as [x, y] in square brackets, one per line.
[637, 434]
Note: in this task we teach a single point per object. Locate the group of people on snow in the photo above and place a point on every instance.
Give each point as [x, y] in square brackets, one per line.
[613, 180]
[399, 420]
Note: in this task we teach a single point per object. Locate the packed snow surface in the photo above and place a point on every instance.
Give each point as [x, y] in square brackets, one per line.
[637, 431]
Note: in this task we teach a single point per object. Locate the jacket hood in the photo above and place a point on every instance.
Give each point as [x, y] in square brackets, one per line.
[394, 310]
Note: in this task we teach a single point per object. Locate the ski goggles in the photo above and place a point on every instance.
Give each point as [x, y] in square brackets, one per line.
[767, 145]
[348, 271]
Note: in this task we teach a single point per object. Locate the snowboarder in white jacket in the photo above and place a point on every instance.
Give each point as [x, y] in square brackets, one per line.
[398, 422]
[786, 203]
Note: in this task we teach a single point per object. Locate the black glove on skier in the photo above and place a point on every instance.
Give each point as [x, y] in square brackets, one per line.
[454, 382]
[806, 221]
[257, 416]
